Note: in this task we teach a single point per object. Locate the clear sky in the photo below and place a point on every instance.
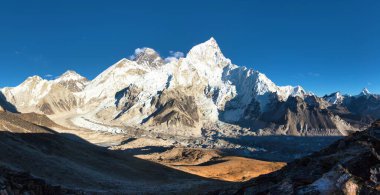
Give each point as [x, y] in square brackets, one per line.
[324, 46]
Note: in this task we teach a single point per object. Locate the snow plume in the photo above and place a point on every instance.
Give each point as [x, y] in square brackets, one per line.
[174, 56]
[137, 52]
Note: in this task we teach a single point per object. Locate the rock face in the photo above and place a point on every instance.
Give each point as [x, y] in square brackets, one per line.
[203, 90]
[349, 166]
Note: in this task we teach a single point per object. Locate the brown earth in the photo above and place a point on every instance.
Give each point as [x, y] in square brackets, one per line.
[211, 164]
[232, 168]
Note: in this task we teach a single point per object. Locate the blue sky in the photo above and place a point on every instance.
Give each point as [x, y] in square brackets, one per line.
[324, 46]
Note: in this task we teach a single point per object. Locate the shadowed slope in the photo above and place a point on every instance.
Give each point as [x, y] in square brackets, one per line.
[5, 104]
[73, 163]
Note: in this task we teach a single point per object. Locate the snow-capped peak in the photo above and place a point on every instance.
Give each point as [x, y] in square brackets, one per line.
[70, 75]
[365, 92]
[334, 98]
[209, 53]
[148, 56]
[33, 80]
[298, 91]
[212, 42]
[208, 47]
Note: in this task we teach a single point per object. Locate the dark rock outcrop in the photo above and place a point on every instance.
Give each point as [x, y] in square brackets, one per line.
[16, 182]
[349, 166]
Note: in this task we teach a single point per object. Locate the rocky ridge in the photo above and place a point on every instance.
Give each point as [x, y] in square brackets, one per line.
[348, 166]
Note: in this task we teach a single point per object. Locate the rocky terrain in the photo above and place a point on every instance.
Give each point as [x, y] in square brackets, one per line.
[359, 110]
[349, 166]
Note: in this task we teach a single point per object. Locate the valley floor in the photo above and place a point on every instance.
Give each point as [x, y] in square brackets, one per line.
[207, 163]
[137, 160]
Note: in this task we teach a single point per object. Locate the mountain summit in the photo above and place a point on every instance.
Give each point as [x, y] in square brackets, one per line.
[70, 75]
[365, 92]
[208, 53]
[148, 56]
[72, 81]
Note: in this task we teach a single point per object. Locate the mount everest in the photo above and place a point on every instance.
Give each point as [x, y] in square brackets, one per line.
[189, 96]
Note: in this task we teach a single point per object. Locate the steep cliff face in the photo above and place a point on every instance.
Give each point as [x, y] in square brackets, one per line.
[304, 116]
[349, 166]
[176, 112]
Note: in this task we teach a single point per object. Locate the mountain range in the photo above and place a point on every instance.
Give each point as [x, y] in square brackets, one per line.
[184, 125]
[190, 96]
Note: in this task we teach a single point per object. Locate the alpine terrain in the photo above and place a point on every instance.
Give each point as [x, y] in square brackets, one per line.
[191, 96]
[149, 124]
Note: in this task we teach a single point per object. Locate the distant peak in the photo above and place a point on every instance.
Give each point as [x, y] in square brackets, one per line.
[70, 75]
[147, 56]
[365, 92]
[334, 98]
[335, 94]
[144, 51]
[150, 51]
[70, 72]
[34, 78]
